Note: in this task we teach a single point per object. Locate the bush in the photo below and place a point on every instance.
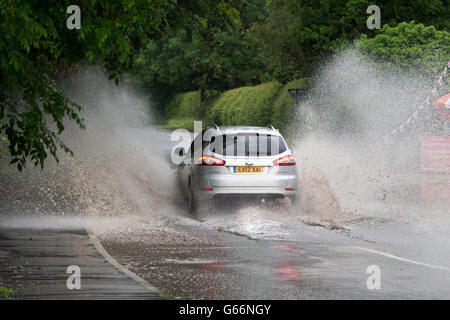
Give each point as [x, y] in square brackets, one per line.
[267, 103]
[5, 293]
[186, 123]
[283, 107]
[183, 106]
[409, 45]
[245, 105]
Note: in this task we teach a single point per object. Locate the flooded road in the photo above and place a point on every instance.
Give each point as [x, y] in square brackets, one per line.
[254, 252]
[192, 260]
[121, 186]
[250, 252]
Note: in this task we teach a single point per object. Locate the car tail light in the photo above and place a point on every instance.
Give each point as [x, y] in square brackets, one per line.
[211, 161]
[289, 189]
[285, 161]
[207, 189]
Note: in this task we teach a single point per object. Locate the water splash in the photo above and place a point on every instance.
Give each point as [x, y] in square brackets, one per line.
[348, 170]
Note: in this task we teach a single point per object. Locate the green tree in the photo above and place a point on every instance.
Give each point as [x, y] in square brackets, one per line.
[281, 53]
[306, 31]
[409, 45]
[36, 47]
[213, 56]
[5, 293]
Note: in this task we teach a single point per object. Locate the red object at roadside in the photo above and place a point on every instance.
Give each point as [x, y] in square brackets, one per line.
[436, 193]
[435, 154]
[442, 102]
[444, 115]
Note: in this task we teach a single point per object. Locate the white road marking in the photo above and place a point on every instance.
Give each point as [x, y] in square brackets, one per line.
[389, 255]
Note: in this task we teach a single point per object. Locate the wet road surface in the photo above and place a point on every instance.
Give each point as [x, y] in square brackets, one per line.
[133, 206]
[34, 264]
[205, 262]
[268, 253]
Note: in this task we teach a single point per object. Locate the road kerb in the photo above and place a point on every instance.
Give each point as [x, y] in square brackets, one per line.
[120, 267]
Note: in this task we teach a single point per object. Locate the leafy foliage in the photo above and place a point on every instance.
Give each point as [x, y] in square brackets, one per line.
[279, 49]
[223, 44]
[36, 48]
[409, 45]
[183, 105]
[215, 55]
[188, 105]
[283, 106]
[261, 104]
[299, 33]
[185, 123]
[245, 105]
[5, 293]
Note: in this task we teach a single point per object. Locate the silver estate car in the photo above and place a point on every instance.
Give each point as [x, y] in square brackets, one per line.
[237, 162]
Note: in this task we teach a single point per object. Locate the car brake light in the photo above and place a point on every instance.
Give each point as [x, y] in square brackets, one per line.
[211, 161]
[207, 189]
[285, 161]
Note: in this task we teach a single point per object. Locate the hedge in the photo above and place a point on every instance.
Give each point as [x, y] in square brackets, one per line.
[183, 106]
[267, 103]
[245, 105]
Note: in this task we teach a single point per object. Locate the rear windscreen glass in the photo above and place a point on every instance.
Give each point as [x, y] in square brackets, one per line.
[247, 145]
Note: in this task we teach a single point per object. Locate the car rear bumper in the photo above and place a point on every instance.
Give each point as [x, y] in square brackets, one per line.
[242, 192]
[275, 182]
[252, 180]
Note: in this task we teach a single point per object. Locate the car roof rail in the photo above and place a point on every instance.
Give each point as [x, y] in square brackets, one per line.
[271, 127]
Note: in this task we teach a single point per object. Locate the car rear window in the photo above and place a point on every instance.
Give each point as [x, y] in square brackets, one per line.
[247, 145]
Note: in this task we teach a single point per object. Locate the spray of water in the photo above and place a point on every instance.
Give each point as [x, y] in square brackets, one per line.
[120, 176]
[348, 170]
[117, 170]
[119, 182]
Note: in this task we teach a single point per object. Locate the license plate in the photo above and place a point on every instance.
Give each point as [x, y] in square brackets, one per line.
[243, 169]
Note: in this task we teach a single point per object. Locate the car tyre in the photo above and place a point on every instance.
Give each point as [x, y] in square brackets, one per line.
[193, 203]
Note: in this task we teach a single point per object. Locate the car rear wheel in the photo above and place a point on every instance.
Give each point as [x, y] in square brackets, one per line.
[193, 204]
